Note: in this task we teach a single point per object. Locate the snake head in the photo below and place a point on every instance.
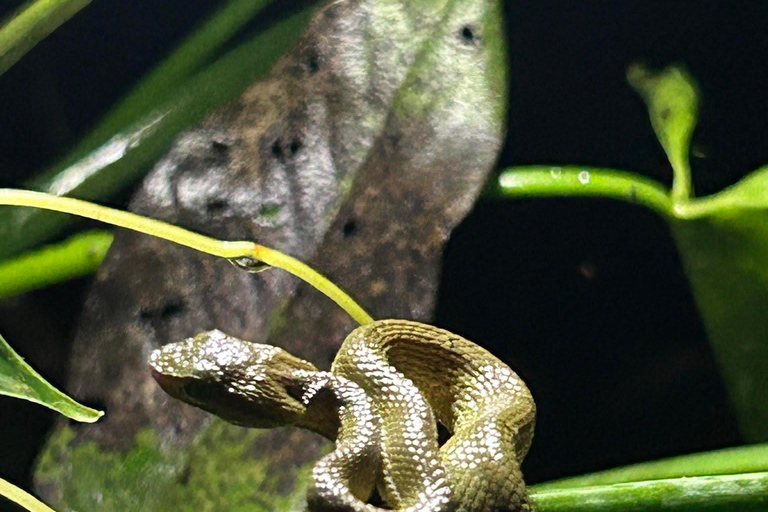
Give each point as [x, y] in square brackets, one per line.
[245, 383]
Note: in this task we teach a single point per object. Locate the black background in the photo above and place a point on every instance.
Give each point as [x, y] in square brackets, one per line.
[586, 298]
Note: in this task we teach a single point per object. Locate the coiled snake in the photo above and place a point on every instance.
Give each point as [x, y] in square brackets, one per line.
[389, 385]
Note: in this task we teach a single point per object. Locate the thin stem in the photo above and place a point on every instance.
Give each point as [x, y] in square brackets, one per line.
[567, 181]
[22, 498]
[230, 250]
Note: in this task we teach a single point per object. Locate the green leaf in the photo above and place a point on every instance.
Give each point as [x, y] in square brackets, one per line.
[22, 498]
[31, 24]
[731, 461]
[673, 103]
[722, 239]
[19, 380]
[138, 131]
[78, 256]
[732, 479]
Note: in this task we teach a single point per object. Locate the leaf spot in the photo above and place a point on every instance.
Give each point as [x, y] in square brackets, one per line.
[468, 35]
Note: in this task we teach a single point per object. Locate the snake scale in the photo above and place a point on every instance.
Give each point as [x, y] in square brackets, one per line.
[390, 384]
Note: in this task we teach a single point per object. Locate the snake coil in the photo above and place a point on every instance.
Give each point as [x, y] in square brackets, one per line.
[390, 384]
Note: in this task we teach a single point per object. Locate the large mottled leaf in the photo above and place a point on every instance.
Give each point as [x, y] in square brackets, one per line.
[19, 380]
[722, 239]
[360, 152]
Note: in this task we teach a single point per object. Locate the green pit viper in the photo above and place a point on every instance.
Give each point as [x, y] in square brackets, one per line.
[390, 384]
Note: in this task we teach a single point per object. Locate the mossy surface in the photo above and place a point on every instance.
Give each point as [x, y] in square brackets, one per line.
[216, 474]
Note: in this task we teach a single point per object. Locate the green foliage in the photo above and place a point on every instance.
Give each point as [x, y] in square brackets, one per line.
[673, 104]
[723, 239]
[78, 256]
[733, 479]
[19, 380]
[31, 24]
[721, 493]
[731, 461]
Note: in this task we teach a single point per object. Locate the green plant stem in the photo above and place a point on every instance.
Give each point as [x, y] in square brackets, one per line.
[31, 24]
[731, 461]
[77, 256]
[720, 493]
[577, 181]
[22, 498]
[233, 251]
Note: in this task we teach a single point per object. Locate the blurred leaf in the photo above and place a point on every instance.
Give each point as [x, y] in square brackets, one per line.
[731, 461]
[78, 256]
[31, 24]
[164, 81]
[19, 380]
[108, 161]
[22, 498]
[723, 241]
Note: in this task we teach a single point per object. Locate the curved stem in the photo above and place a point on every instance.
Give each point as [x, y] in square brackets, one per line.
[567, 181]
[230, 250]
[22, 498]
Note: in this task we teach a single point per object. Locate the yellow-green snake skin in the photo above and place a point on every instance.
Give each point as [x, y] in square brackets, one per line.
[389, 385]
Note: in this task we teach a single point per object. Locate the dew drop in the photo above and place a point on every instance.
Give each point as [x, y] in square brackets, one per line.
[585, 177]
[556, 172]
[251, 265]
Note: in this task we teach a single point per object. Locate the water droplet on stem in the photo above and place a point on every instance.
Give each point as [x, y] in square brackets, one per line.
[251, 265]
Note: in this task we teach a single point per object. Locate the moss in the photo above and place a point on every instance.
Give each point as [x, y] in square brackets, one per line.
[217, 473]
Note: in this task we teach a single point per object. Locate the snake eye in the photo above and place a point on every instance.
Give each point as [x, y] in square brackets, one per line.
[199, 391]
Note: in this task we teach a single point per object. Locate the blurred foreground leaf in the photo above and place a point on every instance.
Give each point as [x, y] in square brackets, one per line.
[722, 239]
[31, 24]
[123, 147]
[22, 498]
[78, 256]
[19, 380]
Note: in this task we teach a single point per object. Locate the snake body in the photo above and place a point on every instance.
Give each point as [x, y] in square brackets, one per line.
[390, 384]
